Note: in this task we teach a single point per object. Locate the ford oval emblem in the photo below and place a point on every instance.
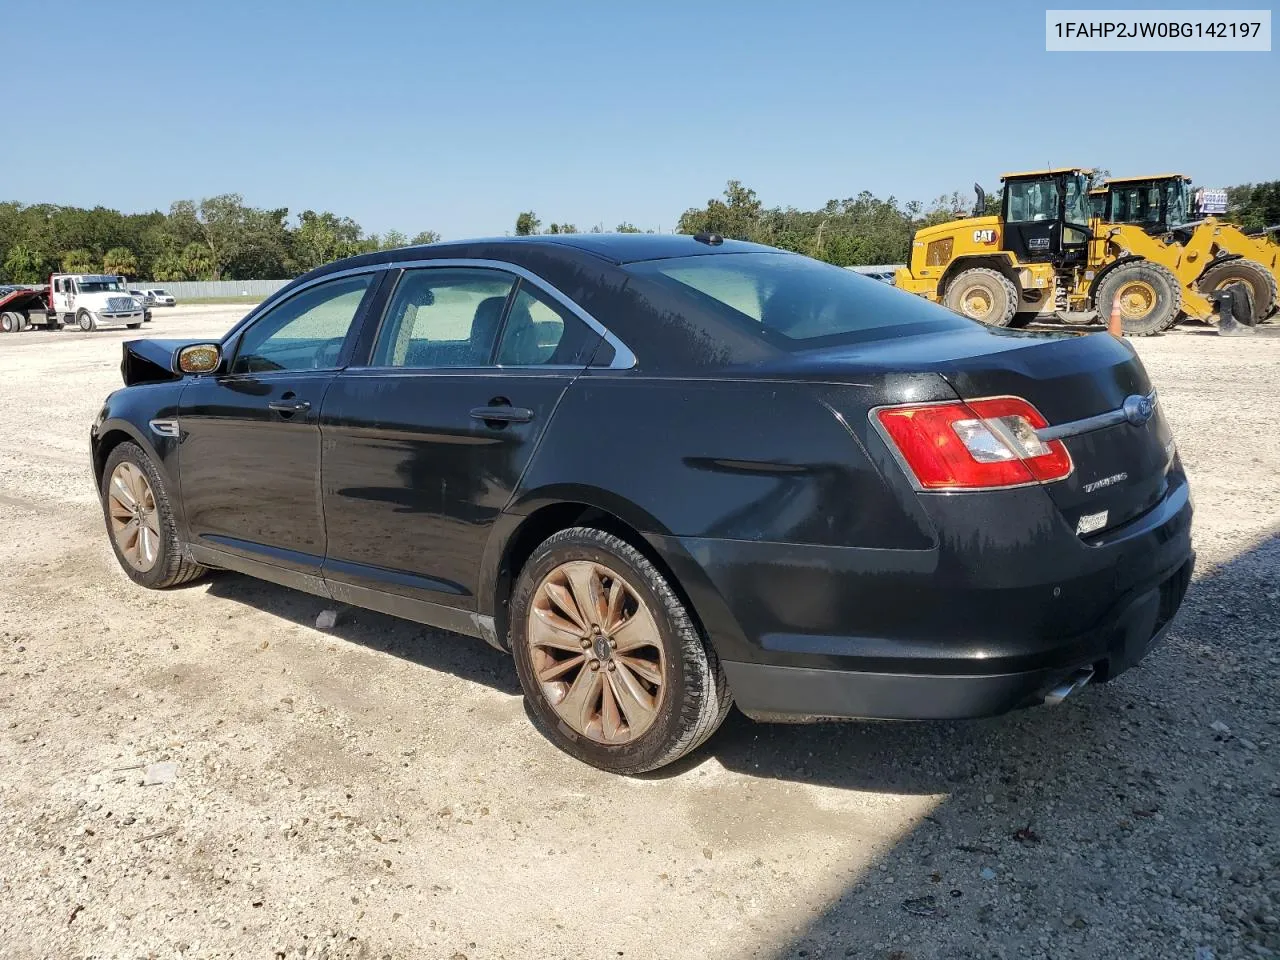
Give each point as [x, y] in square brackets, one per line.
[1138, 410]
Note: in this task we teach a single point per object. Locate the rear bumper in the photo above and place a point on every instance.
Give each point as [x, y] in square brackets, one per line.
[1000, 612]
[767, 690]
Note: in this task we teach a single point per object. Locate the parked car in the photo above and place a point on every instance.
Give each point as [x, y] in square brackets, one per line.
[160, 298]
[144, 297]
[667, 473]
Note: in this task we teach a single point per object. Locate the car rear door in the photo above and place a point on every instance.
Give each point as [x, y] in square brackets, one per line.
[426, 442]
[250, 454]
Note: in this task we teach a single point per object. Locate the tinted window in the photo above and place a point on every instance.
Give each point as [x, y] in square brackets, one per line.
[540, 331]
[787, 298]
[447, 317]
[306, 331]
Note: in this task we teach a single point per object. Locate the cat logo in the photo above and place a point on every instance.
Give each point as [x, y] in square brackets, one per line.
[984, 236]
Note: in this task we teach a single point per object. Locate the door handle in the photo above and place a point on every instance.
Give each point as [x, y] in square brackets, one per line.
[289, 406]
[503, 414]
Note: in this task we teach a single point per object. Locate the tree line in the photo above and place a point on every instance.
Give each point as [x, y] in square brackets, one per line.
[218, 238]
[221, 238]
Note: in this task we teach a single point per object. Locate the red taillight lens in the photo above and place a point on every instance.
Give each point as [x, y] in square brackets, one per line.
[975, 444]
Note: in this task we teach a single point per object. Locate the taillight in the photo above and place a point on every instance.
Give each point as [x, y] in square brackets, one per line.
[974, 444]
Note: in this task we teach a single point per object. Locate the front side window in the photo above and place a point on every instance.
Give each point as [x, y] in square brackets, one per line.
[1032, 200]
[443, 317]
[306, 332]
[1176, 203]
[796, 302]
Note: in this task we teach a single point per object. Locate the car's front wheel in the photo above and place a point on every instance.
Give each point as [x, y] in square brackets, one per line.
[613, 667]
[144, 536]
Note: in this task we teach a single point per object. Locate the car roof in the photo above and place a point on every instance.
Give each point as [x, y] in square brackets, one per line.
[613, 247]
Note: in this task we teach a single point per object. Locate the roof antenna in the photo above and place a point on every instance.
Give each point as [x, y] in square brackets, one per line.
[710, 239]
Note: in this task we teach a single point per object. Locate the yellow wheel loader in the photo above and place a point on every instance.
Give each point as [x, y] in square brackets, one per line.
[1215, 253]
[1045, 257]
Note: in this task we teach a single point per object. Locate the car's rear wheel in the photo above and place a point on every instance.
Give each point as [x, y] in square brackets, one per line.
[614, 670]
[144, 536]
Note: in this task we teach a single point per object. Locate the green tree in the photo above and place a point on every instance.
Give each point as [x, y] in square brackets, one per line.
[527, 224]
[196, 263]
[79, 261]
[626, 227]
[168, 267]
[393, 239]
[426, 236]
[220, 224]
[120, 261]
[737, 216]
[24, 265]
[322, 238]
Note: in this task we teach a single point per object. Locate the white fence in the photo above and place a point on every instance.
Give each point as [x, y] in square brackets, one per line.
[188, 289]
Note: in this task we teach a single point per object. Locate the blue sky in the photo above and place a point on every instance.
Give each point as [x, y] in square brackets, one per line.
[456, 116]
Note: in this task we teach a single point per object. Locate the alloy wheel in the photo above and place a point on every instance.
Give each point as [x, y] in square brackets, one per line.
[597, 652]
[135, 520]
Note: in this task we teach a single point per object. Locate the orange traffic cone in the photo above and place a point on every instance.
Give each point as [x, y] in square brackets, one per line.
[1115, 326]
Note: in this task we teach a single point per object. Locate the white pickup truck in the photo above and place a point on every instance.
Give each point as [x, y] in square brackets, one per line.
[93, 300]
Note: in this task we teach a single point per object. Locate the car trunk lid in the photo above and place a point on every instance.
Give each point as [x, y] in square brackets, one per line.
[1120, 466]
[1097, 398]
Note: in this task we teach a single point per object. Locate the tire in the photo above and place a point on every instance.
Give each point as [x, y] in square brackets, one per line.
[85, 320]
[1260, 281]
[10, 322]
[694, 695]
[170, 566]
[983, 294]
[1151, 299]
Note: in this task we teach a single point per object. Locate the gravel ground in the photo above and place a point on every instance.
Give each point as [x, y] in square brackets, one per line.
[201, 773]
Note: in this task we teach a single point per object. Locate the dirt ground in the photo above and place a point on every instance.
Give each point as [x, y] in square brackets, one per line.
[377, 791]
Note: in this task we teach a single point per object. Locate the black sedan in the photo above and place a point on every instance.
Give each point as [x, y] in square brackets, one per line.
[668, 473]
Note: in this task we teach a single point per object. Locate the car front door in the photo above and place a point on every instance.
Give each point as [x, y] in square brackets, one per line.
[426, 442]
[250, 454]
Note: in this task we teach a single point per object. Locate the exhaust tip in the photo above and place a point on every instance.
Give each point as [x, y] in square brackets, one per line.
[1067, 687]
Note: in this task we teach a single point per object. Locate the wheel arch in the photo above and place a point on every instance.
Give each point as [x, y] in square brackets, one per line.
[110, 435]
[1001, 263]
[1108, 269]
[519, 535]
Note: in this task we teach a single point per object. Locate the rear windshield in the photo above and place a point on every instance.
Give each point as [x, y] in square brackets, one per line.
[796, 302]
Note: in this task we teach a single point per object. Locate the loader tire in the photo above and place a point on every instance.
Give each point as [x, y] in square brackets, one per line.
[1260, 281]
[10, 322]
[983, 294]
[1150, 298]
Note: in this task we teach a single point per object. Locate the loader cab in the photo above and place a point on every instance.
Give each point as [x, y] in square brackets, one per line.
[1098, 203]
[1046, 215]
[1158, 204]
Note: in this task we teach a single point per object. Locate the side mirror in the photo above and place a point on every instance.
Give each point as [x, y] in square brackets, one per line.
[199, 358]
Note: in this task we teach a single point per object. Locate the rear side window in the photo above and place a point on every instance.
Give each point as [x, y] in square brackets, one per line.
[539, 332]
[796, 302]
[443, 317]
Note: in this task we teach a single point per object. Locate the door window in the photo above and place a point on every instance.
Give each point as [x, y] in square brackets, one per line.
[443, 317]
[306, 332]
[1032, 201]
[539, 332]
